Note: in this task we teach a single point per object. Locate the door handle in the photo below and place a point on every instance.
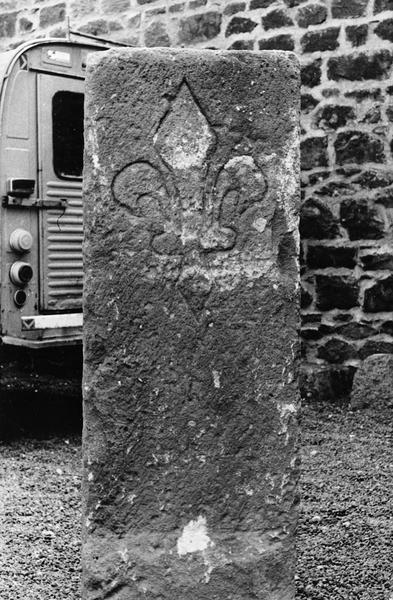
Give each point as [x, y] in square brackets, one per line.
[9, 201]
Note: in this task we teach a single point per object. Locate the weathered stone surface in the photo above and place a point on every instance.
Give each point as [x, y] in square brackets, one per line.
[358, 147]
[381, 5]
[333, 116]
[200, 27]
[311, 14]
[255, 4]
[379, 297]
[156, 35]
[376, 346]
[356, 331]
[362, 219]
[115, 6]
[326, 384]
[358, 67]
[321, 40]
[314, 152]
[232, 9]
[337, 350]
[357, 34]
[242, 45]
[197, 3]
[278, 42]
[317, 221]
[190, 325]
[95, 27]
[374, 262]
[240, 25]
[308, 102]
[385, 30]
[311, 73]
[385, 197]
[342, 9]
[322, 257]
[52, 14]
[337, 188]
[373, 383]
[367, 94]
[25, 24]
[7, 24]
[305, 298]
[336, 291]
[373, 115]
[276, 19]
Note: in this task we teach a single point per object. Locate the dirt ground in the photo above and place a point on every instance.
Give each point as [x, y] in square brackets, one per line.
[345, 538]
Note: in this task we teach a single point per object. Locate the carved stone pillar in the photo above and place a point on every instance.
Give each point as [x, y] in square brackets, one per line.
[190, 395]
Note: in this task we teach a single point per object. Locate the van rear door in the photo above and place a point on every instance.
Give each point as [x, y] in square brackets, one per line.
[60, 164]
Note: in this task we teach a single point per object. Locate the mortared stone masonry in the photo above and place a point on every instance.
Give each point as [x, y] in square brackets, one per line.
[345, 48]
[190, 395]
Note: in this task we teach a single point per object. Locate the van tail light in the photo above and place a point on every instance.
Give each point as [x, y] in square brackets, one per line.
[20, 298]
[21, 273]
[21, 240]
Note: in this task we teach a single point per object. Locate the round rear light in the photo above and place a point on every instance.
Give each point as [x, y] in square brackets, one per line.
[21, 273]
[21, 240]
[20, 297]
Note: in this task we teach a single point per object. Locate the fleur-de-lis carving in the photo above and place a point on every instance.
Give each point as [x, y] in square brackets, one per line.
[171, 195]
[183, 206]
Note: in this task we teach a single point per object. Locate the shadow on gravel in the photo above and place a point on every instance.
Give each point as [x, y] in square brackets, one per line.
[39, 415]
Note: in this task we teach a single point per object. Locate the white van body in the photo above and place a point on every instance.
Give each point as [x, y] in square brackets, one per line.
[41, 213]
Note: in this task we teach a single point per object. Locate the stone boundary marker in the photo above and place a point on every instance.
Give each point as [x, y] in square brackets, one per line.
[190, 394]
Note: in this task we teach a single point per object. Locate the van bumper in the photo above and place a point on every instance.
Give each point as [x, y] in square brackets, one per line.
[48, 330]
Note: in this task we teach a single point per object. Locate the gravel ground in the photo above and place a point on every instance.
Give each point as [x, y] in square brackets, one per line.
[345, 539]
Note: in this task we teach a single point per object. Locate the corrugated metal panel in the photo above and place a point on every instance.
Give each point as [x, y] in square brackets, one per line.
[63, 277]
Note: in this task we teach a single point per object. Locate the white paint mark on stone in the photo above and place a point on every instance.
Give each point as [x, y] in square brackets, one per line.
[216, 379]
[194, 537]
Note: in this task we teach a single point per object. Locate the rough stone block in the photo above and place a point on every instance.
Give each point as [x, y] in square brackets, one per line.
[278, 42]
[200, 27]
[357, 34]
[317, 221]
[322, 40]
[190, 393]
[157, 35]
[385, 30]
[379, 297]
[362, 219]
[7, 24]
[239, 25]
[373, 383]
[311, 14]
[342, 9]
[336, 291]
[358, 147]
[311, 73]
[314, 152]
[361, 66]
[52, 14]
[276, 19]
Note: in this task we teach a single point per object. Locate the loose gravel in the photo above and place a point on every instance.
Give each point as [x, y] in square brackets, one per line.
[345, 535]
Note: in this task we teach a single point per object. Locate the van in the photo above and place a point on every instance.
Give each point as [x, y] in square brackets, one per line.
[41, 213]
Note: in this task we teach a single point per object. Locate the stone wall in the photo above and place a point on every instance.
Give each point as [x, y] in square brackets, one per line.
[346, 51]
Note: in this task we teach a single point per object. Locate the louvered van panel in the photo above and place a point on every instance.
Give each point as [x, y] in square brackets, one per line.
[62, 257]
